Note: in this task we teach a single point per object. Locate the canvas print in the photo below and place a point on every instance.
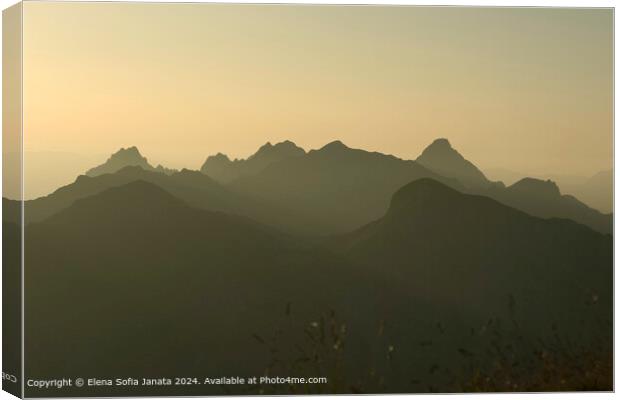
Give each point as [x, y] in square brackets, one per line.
[252, 199]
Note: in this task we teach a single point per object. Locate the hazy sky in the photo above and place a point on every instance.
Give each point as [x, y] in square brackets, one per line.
[522, 89]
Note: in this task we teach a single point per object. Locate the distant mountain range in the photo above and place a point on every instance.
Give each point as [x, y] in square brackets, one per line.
[128, 157]
[440, 157]
[334, 189]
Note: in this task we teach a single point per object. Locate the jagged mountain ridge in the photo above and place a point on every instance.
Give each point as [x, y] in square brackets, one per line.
[222, 169]
[339, 189]
[126, 157]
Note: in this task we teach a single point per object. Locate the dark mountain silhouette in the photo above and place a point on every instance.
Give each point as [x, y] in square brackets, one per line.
[125, 158]
[141, 282]
[341, 187]
[440, 157]
[170, 289]
[473, 252]
[222, 169]
[195, 188]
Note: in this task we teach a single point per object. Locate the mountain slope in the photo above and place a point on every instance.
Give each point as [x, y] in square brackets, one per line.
[129, 157]
[222, 169]
[440, 157]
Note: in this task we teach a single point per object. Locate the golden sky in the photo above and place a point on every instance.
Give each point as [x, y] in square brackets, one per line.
[526, 89]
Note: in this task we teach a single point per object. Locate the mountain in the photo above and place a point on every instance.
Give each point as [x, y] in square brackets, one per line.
[344, 188]
[193, 187]
[326, 191]
[543, 199]
[341, 187]
[440, 157]
[474, 253]
[222, 169]
[596, 191]
[125, 158]
[535, 196]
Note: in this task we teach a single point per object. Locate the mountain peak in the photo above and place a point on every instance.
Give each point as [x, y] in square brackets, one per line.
[336, 145]
[279, 150]
[443, 159]
[440, 143]
[264, 147]
[129, 154]
[124, 157]
[440, 147]
[289, 146]
[218, 158]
